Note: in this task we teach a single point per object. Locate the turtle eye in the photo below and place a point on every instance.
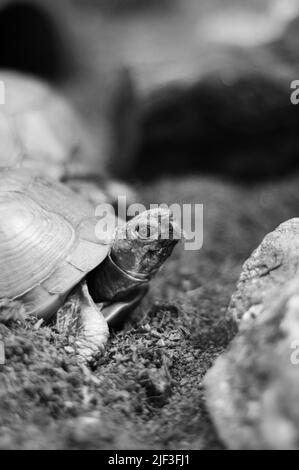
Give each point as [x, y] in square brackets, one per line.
[145, 231]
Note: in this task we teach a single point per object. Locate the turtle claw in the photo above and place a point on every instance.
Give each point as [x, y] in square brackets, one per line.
[83, 324]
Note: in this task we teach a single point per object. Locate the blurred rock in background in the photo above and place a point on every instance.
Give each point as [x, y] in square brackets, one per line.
[31, 39]
[170, 86]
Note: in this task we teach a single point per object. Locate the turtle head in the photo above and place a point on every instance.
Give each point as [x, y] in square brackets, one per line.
[140, 248]
[143, 244]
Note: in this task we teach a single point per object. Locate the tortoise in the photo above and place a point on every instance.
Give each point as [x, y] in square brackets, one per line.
[42, 131]
[57, 257]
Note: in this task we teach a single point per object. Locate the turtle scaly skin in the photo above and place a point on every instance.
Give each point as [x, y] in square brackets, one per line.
[139, 250]
[81, 321]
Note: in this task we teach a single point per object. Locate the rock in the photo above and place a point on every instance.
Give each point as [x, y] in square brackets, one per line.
[270, 266]
[171, 87]
[252, 391]
[222, 107]
[236, 123]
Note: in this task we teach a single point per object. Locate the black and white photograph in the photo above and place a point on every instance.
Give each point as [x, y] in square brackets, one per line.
[149, 228]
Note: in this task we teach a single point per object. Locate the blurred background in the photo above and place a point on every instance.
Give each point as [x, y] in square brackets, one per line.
[170, 86]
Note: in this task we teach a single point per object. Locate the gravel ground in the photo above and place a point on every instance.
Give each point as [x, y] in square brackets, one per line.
[147, 391]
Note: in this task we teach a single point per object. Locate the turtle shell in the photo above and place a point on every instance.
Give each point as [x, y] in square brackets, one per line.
[39, 129]
[48, 241]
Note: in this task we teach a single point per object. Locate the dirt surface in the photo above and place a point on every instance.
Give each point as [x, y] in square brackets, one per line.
[147, 391]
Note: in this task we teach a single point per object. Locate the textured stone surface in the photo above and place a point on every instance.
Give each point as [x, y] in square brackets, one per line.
[235, 121]
[252, 391]
[269, 267]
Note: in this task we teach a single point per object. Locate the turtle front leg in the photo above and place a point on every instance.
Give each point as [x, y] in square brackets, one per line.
[83, 323]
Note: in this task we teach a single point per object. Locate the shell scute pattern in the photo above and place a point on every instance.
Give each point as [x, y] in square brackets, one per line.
[41, 241]
[32, 242]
